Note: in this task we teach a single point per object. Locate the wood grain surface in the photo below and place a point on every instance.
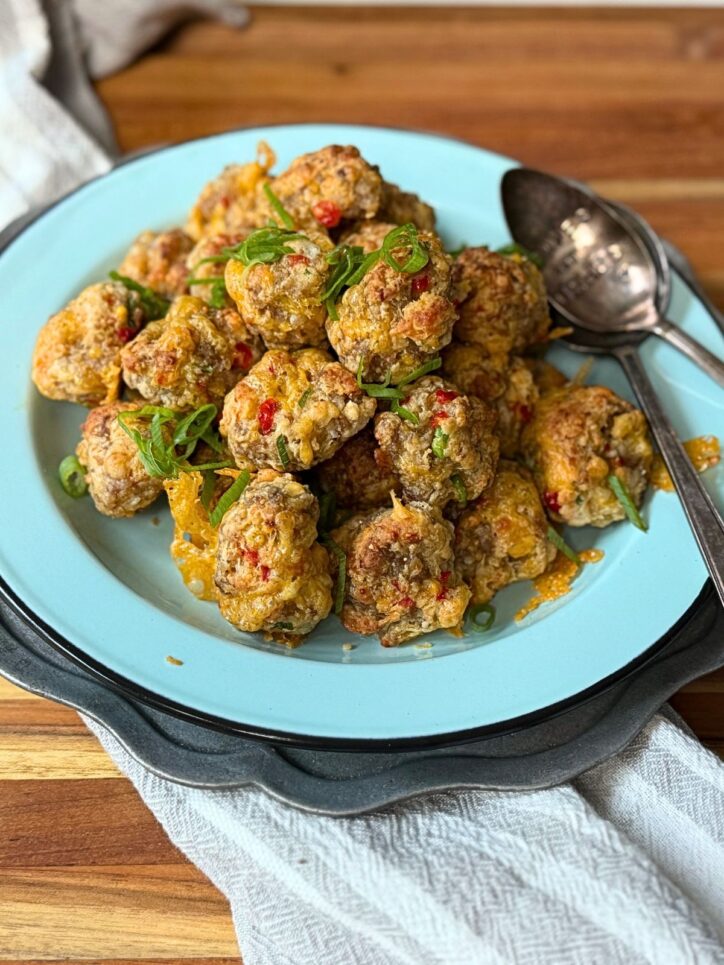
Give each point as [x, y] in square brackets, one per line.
[629, 100]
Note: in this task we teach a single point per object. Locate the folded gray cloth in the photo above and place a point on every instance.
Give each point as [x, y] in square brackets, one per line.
[624, 865]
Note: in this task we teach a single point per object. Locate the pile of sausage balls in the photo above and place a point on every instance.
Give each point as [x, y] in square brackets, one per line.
[350, 362]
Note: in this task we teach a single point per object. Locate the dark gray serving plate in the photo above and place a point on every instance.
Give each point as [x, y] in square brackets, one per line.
[343, 783]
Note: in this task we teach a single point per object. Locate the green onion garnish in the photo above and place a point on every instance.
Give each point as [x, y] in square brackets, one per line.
[281, 625]
[622, 494]
[404, 413]
[418, 373]
[152, 304]
[473, 614]
[264, 246]
[515, 249]
[217, 299]
[157, 447]
[378, 390]
[341, 572]
[304, 397]
[282, 450]
[461, 492]
[207, 490]
[439, 442]
[284, 216]
[327, 512]
[561, 545]
[72, 477]
[405, 237]
[229, 497]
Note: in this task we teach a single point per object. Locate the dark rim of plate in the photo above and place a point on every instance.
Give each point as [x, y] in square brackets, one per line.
[134, 691]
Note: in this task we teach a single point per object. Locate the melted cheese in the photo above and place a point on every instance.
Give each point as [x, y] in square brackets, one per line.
[704, 452]
[557, 580]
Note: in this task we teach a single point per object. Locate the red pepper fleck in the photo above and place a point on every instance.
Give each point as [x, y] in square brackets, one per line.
[297, 259]
[327, 213]
[252, 556]
[406, 602]
[125, 333]
[551, 503]
[437, 417]
[525, 413]
[265, 571]
[420, 284]
[243, 356]
[225, 201]
[444, 577]
[444, 396]
[266, 415]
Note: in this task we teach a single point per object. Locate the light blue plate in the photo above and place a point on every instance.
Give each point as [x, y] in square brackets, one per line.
[109, 588]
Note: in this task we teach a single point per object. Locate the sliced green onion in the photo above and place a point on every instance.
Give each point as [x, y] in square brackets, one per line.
[327, 512]
[284, 216]
[203, 466]
[229, 497]
[264, 246]
[378, 390]
[207, 489]
[560, 544]
[487, 610]
[304, 398]
[429, 366]
[217, 299]
[281, 625]
[282, 450]
[72, 477]
[461, 492]
[439, 442]
[404, 413]
[622, 494]
[341, 573]
[152, 304]
[515, 249]
[405, 236]
[193, 426]
[159, 456]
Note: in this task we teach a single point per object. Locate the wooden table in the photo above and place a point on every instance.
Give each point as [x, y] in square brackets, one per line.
[631, 101]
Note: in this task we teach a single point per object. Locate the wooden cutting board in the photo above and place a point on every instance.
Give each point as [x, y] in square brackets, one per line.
[629, 100]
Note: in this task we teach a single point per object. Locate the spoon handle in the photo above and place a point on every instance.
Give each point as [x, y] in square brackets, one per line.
[705, 521]
[705, 359]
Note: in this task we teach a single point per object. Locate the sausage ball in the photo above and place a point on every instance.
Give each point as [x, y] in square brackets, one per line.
[578, 437]
[402, 207]
[329, 186]
[77, 356]
[502, 537]
[545, 375]
[367, 235]
[393, 321]
[158, 261]
[474, 371]
[118, 482]
[234, 202]
[401, 574]
[359, 475]
[293, 409]
[282, 301]
[501, 300]
[213, 291]
[515, 406]
[191, 357]
[270, 572]
[448, 451]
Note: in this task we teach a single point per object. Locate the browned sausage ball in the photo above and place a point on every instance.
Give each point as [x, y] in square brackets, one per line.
[293, 409]
[158, 261]
[545, 375]
[474, 371]
[191, 357]
[502, 537]
[118, 482]
[359, 475]
[329, 186]
[401, 574]
[515, 406]
[210, 246]
[501, 301]
[403, 207]
[578, 437]
[271, 573]
[450, 453]
[282, 301]
[233, 202]
[393, 321]
[77, 355]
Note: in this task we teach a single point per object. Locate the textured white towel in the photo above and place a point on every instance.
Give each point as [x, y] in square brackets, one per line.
[624, 865]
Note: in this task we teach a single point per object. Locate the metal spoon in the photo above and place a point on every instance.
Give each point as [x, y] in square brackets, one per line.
[597, 256]
[556, 220]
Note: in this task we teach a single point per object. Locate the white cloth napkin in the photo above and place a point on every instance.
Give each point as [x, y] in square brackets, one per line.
[624, 865]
